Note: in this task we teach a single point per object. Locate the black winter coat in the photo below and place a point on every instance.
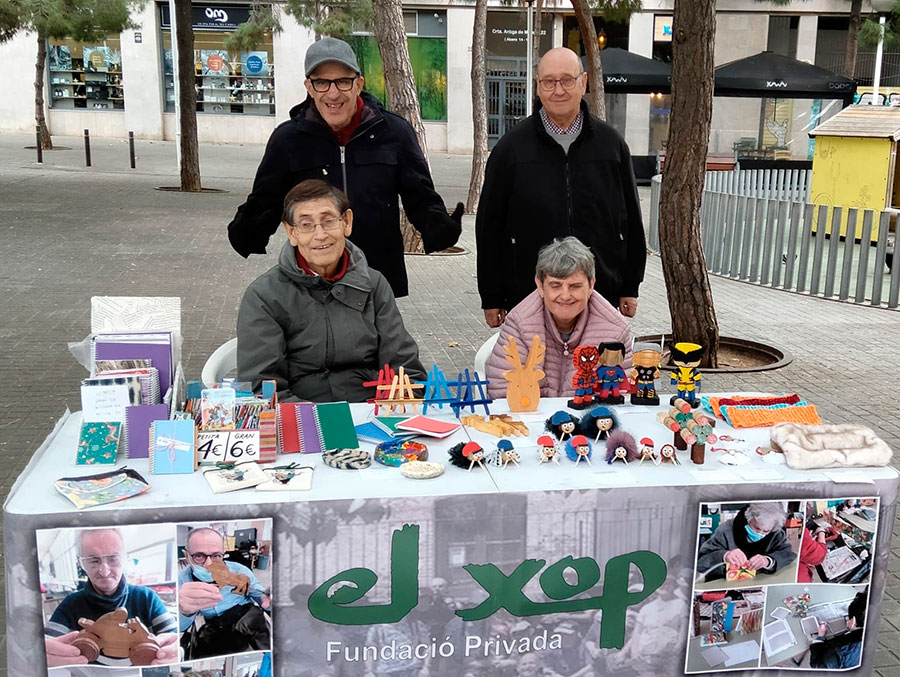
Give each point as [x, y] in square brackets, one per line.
[534, 192]
[380, 162]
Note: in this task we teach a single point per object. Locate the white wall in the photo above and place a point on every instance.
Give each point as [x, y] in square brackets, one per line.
[637, 108]
[212, 128]
[738, 35]
[142, 76]
[806, 37]
[109, 124]
[288, 50]
[459, 130]
[17, 103]
[436, 136]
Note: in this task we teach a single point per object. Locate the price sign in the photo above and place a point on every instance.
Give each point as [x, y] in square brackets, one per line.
[227, 446]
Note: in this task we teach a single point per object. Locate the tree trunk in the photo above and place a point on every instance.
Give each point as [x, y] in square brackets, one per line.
[400, 86]
[684, 268]
[536, 46]
[39, 65]
[852, 39]
[479, 107]
[187, 97]
[592, 50]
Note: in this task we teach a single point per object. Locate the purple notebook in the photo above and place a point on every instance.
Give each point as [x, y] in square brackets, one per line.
[137, 423]
[309, 429]
[129, 346]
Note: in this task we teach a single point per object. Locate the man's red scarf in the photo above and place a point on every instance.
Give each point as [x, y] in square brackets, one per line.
[341, 270]
[344, 135]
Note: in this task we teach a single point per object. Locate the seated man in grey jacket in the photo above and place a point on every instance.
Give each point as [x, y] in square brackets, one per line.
[321, 322]
[755, 538]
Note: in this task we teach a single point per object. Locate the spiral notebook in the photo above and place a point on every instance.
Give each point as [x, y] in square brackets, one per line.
[154, 346]
[312, 428]
[149, 380]
[137, 428]
[173, 447]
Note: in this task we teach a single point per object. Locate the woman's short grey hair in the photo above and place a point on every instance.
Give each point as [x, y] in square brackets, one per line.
[564, 257]
[768, 516]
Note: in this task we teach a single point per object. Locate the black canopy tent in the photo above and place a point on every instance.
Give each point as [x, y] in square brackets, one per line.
[625, 72]
[770, 75]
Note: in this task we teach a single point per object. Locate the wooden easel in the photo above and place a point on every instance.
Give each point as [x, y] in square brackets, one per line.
[400, 394]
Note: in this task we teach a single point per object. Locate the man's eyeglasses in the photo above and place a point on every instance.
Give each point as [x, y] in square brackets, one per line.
[97, 561]
[549, 84]
[322, 85]
[328, 223]
[201, 557]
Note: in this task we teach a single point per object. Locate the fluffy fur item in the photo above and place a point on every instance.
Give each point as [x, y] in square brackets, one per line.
[619, 438]
[587, 426]
[553, 425]
[466, 455]
[829, 446]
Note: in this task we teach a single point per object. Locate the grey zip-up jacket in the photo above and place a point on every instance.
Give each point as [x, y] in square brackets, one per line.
[319, 341]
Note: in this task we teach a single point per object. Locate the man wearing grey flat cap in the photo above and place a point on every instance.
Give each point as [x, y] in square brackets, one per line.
[345, 136]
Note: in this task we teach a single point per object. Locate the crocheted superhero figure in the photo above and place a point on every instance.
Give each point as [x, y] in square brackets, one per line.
[685, 377]
[610, 373]
[584, 380]
[644, 372]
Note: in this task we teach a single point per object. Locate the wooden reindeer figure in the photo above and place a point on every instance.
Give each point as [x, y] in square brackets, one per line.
[523, 392]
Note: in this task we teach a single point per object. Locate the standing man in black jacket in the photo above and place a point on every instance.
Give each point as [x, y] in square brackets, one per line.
[559, 172]
[344, 136]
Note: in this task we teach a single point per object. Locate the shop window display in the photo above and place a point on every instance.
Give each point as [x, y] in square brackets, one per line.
[85, 76]
[226, 82]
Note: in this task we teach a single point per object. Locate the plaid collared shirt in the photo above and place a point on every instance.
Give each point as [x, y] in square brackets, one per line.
[553, 128]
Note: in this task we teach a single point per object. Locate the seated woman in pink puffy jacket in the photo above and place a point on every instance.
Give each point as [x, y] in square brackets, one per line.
[565, 312]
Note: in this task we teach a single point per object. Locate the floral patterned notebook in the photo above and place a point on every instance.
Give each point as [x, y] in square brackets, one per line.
[108, 487]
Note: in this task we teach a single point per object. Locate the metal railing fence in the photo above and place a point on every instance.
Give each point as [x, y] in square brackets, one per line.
[758, 226]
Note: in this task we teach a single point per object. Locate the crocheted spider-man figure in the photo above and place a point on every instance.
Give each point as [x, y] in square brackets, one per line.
[584, 380]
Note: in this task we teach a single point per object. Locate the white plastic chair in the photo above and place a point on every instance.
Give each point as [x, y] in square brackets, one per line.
[220, 363]
[484, 352]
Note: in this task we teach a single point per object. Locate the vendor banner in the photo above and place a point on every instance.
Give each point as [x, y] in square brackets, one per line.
[569, 583]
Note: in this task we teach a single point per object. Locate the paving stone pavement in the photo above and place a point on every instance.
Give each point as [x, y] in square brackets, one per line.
[71, 232]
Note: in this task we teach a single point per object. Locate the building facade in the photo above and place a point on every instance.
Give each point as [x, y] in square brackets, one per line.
[125, 82]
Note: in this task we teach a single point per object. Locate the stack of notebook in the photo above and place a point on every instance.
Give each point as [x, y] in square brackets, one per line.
[382, 429]
[154, 346]
[312, 428]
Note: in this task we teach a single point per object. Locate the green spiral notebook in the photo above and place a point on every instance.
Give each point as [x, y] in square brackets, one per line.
[336, 425]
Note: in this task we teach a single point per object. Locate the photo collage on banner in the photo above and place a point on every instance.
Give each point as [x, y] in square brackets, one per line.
[781, 584]
[152, 600]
